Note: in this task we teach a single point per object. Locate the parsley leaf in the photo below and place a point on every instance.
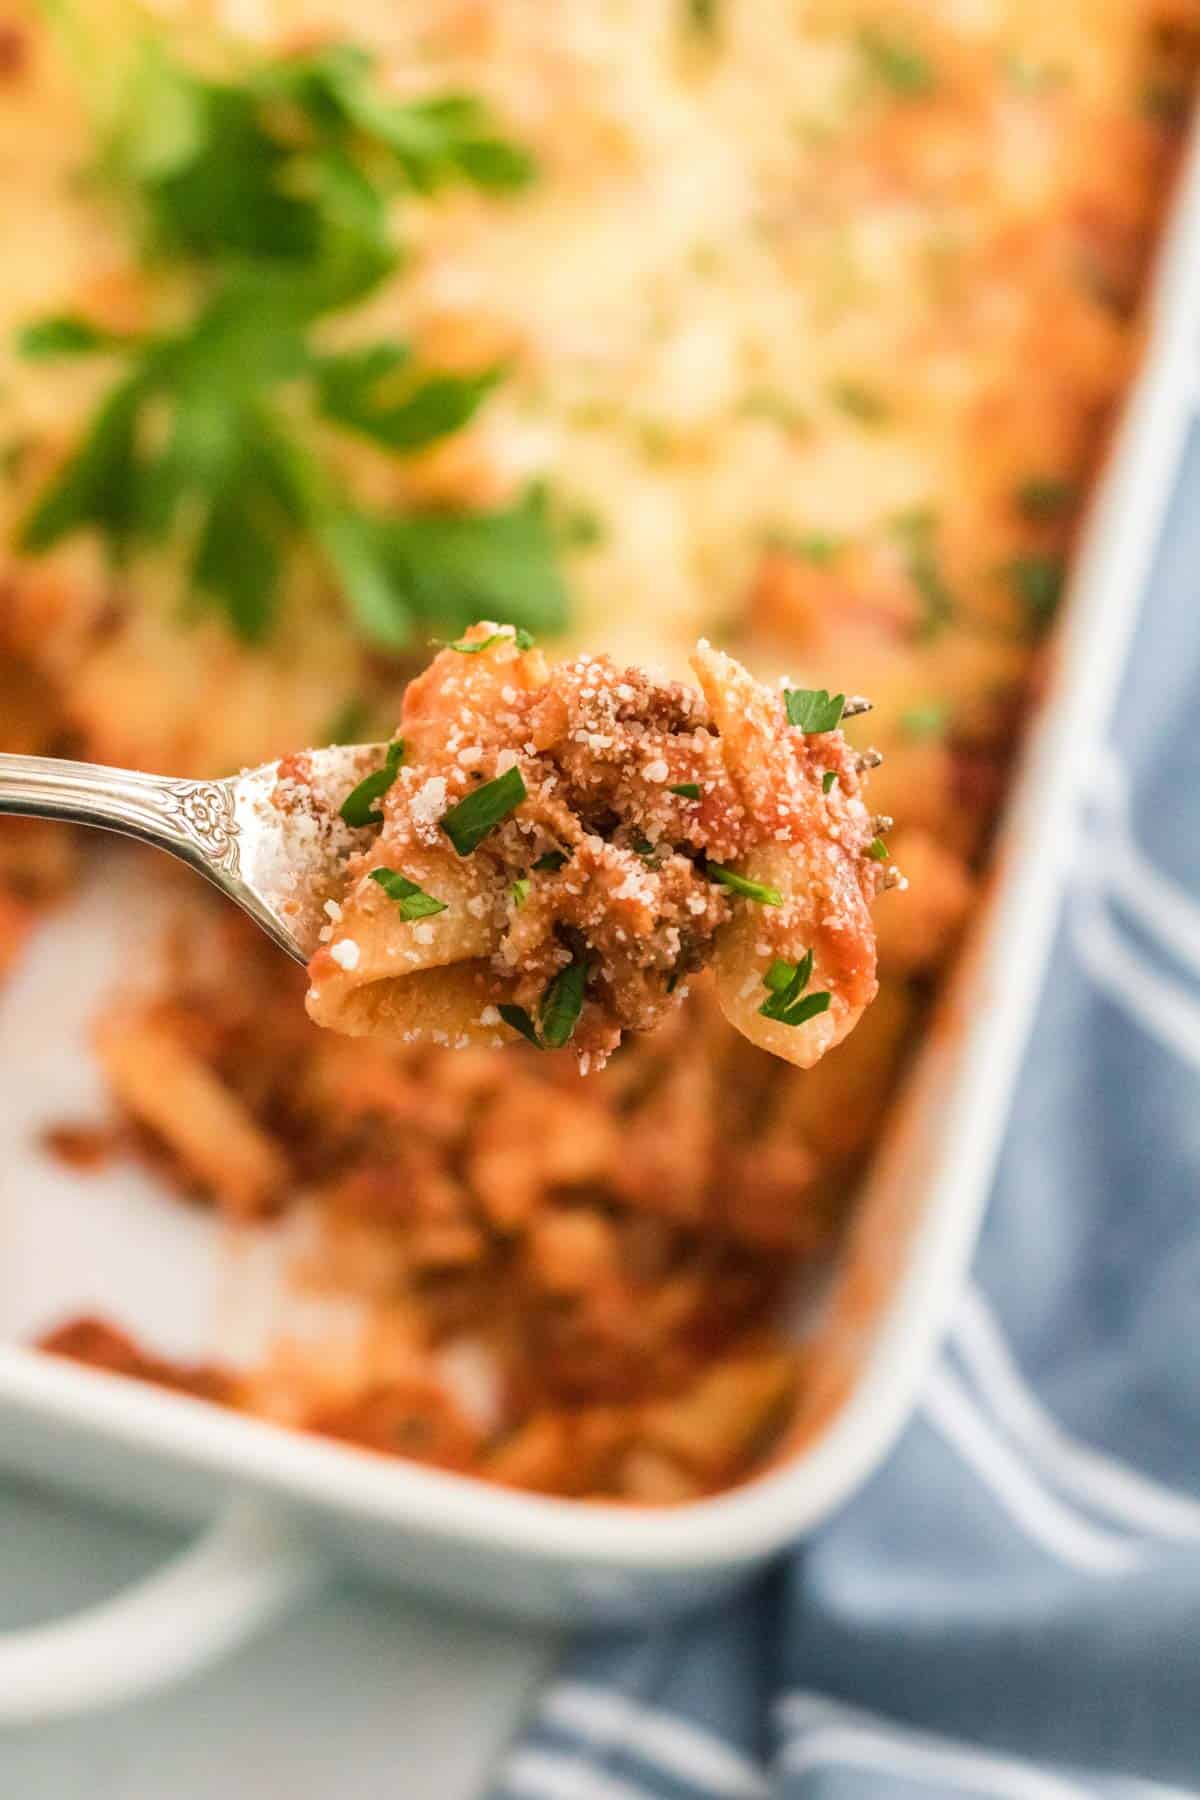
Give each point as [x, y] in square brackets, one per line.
[1046, 496]
[519, 1020]
[1038, 583]
[915, 533]
[813, 709]
[468, 823]
[740, 884]
[455, 568]
[413, 901]
[519, 889]
[927, 721]
[562, 1004]
[785, 983]
[896, 64]
[375, 393]
[558, 1013]
[687, 790]
[877, 850]
[66, 334]
[358, 808]
[272, 189]
[827, 781]
[859, 402]
[473, 646]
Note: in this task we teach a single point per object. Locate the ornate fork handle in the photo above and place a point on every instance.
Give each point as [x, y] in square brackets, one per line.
[191, 819]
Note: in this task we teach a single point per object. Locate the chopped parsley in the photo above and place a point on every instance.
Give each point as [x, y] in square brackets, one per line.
[65, 334]
[859, 402]
[927, 721]
[468, 823]
[1037, 582]
[270, 193]
[915, 533]
[827, 781]
[687, 790]
[1046, 496]
[877, 850]
[519, 1020]
[558, 1013]
[413, 901]
[813, 709]
[562, 1004]
[553, 859]
[786, 1001]
[816, 547]
[740, 884]
[359, 808]
[519, 889]
[472, 646]
[895, 64]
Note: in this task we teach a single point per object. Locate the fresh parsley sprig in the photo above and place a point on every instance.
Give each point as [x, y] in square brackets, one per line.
[272, 193]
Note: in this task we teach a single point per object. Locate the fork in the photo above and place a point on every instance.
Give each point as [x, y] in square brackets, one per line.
[272, 845]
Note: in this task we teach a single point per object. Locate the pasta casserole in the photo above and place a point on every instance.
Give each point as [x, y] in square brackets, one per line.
[792, 325]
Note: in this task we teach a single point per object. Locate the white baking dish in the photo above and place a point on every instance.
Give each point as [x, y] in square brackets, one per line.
[286, 1506]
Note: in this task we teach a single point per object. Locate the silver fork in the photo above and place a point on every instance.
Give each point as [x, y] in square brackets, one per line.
[274, 850]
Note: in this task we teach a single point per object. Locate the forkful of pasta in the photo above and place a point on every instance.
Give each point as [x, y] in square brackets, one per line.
[547, 853]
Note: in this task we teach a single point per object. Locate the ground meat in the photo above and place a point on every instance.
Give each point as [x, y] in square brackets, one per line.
[624, 851]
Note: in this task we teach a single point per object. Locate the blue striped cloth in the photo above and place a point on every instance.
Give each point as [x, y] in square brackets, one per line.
[1011, 1606]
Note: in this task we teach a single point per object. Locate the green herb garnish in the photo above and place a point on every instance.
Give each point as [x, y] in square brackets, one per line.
[915, 532]
[927, 721]
[519, 889]
[358, 808]
[472, 646]
[1046, 496]
[785, 983]
[859, 402]
[816, 547]
[558, 1013]
[752, 890]
[877, 850]
[1037, 582]
[272, 194]
[813, 709]
[895, 64]
[468, 823]
[66, 334]
[413, 901]
[562, 1004]
[827, 781]
[687, 790]
[519, 1020]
